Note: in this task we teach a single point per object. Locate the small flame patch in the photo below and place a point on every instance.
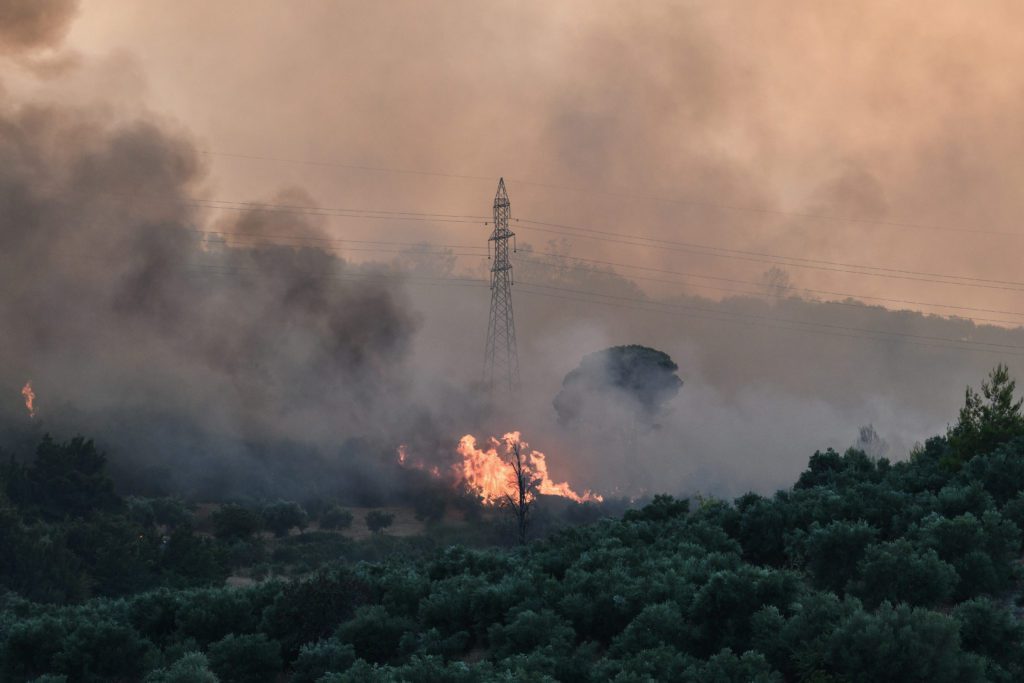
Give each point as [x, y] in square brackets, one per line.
[30, 398]
[405, 460]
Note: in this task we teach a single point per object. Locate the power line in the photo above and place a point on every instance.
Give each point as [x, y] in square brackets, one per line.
[633, 240]
[773, 259]
[273, 206]
[218, 269]
[634, 195]
[630, 240]
[226, 205]
[764, 321]
[704, 250]
[753, 324]
[354, 167]
[793, 288]
[776, 319]
[417, 249]
[640, 241]
[663, 307]
[683, 310]
[256, 237]
[300, 209]
[768, 255]
[852, 304]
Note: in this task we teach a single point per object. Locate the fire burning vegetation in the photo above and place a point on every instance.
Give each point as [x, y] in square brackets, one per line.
[30, 398]
[491, 475]
[488, 471]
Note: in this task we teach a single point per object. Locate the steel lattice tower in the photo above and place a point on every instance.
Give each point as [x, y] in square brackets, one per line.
[501, 361]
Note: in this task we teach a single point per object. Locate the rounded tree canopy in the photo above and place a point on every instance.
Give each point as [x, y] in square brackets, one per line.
[638, 379]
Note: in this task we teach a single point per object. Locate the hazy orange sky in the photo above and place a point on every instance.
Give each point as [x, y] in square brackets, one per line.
[773, 122]
[867, 149]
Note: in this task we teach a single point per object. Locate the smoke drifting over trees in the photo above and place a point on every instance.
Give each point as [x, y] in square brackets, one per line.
[640, 379]
[117, 307]
[134, 324]
[258, 361]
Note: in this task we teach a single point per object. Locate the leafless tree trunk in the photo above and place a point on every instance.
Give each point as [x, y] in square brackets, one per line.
[520, 500]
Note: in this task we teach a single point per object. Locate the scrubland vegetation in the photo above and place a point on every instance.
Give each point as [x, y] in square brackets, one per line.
[865, 570]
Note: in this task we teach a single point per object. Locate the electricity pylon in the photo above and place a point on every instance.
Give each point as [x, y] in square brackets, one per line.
[501, 361]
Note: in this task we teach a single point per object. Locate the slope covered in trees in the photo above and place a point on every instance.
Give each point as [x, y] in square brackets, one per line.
[864, 570]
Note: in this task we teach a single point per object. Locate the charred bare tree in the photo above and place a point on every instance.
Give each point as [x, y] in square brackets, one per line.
[520, 499]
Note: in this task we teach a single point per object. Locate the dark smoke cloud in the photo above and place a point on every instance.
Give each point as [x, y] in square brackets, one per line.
[128, 319]
[32, 24]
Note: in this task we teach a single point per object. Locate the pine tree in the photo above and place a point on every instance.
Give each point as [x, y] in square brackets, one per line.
[987, 420]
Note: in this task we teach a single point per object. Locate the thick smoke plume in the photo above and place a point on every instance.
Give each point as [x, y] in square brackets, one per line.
[179, 347]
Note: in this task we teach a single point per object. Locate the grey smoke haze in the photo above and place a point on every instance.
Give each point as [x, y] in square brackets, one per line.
[638, 379]
[255, 367]
[759, 396]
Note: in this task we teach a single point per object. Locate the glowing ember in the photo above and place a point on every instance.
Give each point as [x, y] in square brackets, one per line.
[30, 398]
[490, 474]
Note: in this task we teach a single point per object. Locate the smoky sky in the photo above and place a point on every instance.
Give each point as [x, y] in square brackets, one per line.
[33, 24]
[873, 134]
[830, 114]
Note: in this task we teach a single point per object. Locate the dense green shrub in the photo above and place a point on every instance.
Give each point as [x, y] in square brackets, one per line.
[378, 520]
[69, 479]
[192, 667]
[235, 522]
[336, 517]
[320, 658]
[245, 659]
[281, 517]
[899, 644]
[430, 507]
[310, 609]
[832, 552]
[374, 634]
[897, 571]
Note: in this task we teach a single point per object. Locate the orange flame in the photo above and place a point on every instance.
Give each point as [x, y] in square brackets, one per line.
[405, 460]
[30, 398]
[492, 477]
